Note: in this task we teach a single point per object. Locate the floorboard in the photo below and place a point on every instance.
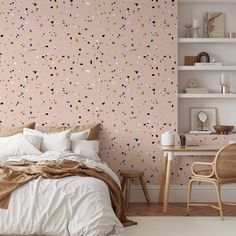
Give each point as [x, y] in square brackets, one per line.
[176, 209]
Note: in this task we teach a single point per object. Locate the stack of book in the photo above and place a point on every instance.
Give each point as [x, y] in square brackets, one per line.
[196, 90]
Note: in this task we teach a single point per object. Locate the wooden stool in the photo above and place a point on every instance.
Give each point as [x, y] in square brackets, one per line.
[128, 175]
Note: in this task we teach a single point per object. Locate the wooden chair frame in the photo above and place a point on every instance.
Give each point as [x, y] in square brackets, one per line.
[212, 178]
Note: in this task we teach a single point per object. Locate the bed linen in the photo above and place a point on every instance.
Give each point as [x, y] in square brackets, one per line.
[69, 206]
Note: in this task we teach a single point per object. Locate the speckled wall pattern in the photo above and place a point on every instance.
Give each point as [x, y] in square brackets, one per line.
[77, 62]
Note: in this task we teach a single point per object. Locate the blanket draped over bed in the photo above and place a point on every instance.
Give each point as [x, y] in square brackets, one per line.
[15, 174]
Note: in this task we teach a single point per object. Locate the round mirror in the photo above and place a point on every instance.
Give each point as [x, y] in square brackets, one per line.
[202, 116]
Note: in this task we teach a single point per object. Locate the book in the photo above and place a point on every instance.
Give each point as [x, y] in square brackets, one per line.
[200, 131]
[196, 90]
[208, 64]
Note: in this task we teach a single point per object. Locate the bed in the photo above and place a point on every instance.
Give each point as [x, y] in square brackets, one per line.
[73, 205]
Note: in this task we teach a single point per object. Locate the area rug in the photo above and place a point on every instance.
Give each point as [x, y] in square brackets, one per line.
[182, 226]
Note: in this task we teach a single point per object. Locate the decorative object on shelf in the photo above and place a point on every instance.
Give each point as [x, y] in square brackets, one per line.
[223, 129]
[224, 85]
[190, 60]
[167, 139]
[188, 31]
[202, 116]
[188, 25]
[202, 119]
[196, 33]
[193, 88]
[231, 35]
[182, 138]
[192, 83]
[213, 63]
[214, 25]
[201, 55]
[196, 27]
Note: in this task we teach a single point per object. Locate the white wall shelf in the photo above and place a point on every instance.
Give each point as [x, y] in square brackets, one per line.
[207, 40]
[207, 1]
[205, 68]
[207, 95]
[214, 135]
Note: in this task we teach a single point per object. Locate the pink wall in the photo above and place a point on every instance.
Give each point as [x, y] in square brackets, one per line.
[77, 62]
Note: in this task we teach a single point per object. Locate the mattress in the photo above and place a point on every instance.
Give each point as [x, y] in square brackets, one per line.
[69, 206]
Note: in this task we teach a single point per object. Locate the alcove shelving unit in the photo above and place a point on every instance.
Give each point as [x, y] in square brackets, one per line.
[221, 49]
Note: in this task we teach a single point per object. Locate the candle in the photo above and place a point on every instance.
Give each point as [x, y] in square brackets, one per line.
[188, 17]
[196, 23]
[222, 78]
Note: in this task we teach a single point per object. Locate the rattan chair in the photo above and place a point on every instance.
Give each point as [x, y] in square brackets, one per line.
[223, 171]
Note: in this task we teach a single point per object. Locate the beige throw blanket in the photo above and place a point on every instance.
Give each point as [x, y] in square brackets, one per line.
[15, 174]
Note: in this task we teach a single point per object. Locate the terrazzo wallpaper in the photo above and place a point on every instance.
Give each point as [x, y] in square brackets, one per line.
[94, 61]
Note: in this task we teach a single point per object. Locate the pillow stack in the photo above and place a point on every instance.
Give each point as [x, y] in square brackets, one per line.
[81, 140]
[68, 140]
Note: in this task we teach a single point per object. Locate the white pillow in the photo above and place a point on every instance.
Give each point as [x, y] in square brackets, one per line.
[16, 145]
[82, 135]
[59, 141]
[35, 140]
[232, 141]
[87, 149]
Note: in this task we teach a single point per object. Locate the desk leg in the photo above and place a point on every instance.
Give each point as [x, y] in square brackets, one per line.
[163, 178]
[167, 181]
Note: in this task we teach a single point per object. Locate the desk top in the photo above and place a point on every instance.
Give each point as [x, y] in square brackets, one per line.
[192, 148]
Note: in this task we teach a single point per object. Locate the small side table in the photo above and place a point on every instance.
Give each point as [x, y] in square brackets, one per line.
[128, 175]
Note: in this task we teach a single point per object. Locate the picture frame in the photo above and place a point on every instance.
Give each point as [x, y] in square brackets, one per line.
[195, 122]
[214, 25]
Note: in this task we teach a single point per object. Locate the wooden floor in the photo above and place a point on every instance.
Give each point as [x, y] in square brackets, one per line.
[176, 209]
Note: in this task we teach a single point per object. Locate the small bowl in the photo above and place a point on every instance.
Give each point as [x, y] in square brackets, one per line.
[223, 129]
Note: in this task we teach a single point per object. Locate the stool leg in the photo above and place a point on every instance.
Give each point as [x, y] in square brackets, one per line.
[127, 192]
[123, 183]
[145, 190]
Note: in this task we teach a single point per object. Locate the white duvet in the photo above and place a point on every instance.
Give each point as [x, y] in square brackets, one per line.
[69, 206]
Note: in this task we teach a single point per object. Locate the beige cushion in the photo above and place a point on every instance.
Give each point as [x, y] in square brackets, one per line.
[93, 135]
[9, 131]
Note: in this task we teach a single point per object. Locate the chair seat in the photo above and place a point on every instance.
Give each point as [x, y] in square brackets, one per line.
[203, 172]
[224, 174]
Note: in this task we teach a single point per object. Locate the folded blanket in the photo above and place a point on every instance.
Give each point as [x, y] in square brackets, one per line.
[15, 174]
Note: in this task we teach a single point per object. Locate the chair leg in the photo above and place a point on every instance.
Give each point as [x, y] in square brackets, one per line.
[189, 195]
[218, 191]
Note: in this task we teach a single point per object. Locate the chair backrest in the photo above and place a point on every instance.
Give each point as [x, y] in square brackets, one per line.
[225, 162]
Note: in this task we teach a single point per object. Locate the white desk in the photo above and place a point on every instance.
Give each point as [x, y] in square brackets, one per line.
[169, 153]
